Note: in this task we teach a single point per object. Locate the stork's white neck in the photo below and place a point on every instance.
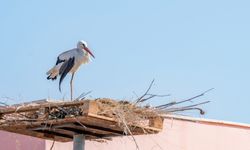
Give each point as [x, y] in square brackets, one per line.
[86, 54]
[86, 57]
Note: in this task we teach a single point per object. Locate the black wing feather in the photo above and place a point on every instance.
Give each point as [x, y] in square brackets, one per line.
[65, 68]
[59, 60]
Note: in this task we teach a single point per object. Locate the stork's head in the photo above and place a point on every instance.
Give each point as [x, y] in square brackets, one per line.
[83, 45]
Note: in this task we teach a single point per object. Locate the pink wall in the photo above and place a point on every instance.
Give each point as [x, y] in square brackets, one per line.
[177, 135]
[12, 141]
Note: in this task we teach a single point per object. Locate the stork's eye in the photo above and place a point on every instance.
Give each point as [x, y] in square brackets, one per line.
[83, 45]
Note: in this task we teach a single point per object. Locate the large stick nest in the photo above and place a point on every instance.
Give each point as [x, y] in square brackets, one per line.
[124, 112]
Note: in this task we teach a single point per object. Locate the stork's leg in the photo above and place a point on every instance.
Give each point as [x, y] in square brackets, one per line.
[71, 86]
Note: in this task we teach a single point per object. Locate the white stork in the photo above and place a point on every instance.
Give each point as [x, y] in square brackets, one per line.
[69, 62]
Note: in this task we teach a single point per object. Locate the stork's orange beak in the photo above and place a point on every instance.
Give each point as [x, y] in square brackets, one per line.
[86, 49]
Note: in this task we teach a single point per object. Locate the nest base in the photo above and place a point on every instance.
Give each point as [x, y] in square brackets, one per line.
[89, 123]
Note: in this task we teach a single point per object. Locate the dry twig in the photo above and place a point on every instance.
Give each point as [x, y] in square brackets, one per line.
[52, 145]
[82, 96]
[183, 101]
[146, 96]
[4, 104]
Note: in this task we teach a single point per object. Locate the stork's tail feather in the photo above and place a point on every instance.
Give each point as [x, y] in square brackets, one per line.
[52, 73]
[52, 78]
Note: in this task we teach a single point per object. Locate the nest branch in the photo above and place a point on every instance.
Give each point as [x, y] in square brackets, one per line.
[3, 104]
[82, 96]
[183, 101]
[189, 107]
[146, 96]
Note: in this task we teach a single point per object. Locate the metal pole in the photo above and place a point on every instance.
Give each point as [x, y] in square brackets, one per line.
[79, 142]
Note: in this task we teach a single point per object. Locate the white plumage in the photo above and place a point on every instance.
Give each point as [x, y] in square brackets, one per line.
[69, 62]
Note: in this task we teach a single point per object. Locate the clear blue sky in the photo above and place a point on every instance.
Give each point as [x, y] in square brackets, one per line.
[187, 46]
